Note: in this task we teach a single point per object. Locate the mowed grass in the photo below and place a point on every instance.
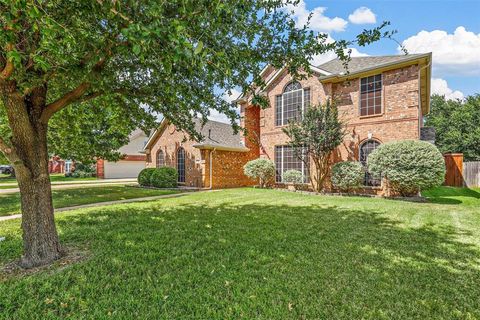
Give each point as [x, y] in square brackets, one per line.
[256, 254]
[53, 178]
[10, 203]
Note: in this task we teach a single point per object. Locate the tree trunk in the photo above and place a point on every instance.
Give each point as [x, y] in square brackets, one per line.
[29, 157]
[40, 239]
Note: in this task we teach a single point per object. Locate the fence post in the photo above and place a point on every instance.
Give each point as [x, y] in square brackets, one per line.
[454, 169]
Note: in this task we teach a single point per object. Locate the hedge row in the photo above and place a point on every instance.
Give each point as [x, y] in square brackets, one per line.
[164, 177]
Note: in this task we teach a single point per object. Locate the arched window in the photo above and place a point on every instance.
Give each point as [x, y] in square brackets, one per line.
[365, 149]
[290, 104]
[160, 159]
[181, 164]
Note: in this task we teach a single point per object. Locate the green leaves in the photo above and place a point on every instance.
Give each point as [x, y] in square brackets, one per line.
[456, 125]
[199, 47]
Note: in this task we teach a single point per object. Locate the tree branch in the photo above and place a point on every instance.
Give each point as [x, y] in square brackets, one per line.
[65, 100]
[9, 67]
[8, 151]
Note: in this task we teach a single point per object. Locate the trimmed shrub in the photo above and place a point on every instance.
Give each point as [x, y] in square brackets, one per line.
[84, 170]
[164, 177]
[261, 169]
[347, 175]
[144, 176]
[408, 166]
[293, 176]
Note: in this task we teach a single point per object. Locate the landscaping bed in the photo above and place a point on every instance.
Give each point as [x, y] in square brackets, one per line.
[259, 254]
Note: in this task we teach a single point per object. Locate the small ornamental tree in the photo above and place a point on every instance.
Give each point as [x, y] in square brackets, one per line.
[408, 166]
[262, 170]
[347, 175]
[315, 137]
[92, 71]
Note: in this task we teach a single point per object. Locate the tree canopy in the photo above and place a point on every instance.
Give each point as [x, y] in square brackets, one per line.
[456, 124]
[81, 75]
[121, 63]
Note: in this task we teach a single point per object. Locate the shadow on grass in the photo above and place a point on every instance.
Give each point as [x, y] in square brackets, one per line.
[452, 195]
[258, 261]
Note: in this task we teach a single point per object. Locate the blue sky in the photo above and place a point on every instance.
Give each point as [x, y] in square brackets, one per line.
[456, 50]
[450, 29]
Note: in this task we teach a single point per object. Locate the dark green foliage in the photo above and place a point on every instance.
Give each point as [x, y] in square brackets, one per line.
[136, 60]
[409, 166]
[315, 137]
[457, 125]
[164, 177]
[83, 170]
[144, 176]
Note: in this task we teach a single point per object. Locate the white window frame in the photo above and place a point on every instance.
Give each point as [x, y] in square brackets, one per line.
[360, 97]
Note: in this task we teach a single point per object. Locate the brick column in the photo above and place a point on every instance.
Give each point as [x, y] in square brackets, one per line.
[100, 169]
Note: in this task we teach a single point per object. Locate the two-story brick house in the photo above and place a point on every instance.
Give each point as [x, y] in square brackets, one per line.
[381, 98]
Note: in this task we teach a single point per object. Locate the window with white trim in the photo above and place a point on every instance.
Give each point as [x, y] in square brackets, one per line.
[365, 149]
[286, 159]
[160, 159]
[371, 95]
[291, 103]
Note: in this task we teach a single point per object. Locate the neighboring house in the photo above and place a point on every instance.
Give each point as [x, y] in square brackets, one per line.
[132, 162]
[381, 98]
[215, 162]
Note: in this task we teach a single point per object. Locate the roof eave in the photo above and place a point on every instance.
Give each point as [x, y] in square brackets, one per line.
[220, 147]
[338, 77]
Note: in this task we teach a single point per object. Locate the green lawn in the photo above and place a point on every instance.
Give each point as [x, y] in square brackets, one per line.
[10, 203]
[53, 178]
[258, 254]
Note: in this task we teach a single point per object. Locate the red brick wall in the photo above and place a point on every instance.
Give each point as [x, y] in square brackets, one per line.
[399, 120]
[169, 141]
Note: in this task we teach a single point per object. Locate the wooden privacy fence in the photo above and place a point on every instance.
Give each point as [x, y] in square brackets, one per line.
[471, 174]
[459, 173]
[454, 169]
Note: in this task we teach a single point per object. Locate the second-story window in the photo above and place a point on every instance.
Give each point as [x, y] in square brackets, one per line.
[371, 95]
[290, 104]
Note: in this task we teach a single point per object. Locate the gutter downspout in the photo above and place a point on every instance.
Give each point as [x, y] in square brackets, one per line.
[211, 168]
[420, 117]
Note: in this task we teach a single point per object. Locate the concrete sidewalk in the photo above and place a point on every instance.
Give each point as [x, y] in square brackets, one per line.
[76, 185]
[104, 204]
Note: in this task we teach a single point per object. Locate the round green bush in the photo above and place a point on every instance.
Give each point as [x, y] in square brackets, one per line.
[347, 175]
[409, 166]
[144, 176]
[164, 177]
[261, 169]
[293, 176]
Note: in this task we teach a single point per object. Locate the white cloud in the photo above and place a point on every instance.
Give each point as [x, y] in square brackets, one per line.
[440, 86]
[457, 53]
[220, 117]
[318, 21]
[322, 58]
[362, 15]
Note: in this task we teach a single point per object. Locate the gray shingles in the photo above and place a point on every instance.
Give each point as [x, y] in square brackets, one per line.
[218, 134]
[357, 64]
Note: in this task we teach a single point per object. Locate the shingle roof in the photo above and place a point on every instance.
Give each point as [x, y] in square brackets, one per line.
[218, 134]
[357, 64]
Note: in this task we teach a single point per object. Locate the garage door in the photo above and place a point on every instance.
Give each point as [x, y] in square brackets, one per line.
[123, 169]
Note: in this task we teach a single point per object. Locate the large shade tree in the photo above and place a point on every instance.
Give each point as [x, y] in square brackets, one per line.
[92, 70]
[456, 124]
